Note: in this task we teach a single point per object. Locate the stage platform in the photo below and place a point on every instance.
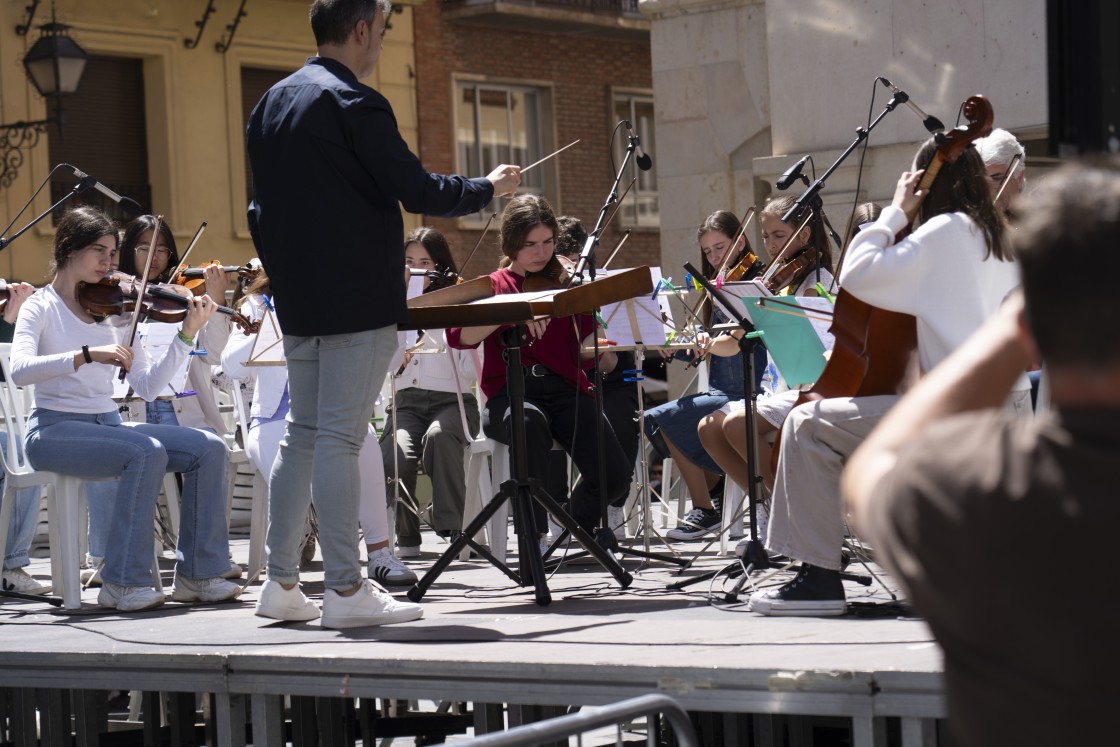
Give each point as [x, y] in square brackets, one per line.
[483, 640]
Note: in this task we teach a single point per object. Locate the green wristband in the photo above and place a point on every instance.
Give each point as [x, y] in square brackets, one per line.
[184, 338]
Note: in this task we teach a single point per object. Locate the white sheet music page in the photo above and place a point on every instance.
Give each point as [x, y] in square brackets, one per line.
[638, 322]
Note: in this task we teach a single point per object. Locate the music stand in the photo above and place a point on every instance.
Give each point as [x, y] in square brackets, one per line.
[639, 318]
[754, 556]
[452, 307]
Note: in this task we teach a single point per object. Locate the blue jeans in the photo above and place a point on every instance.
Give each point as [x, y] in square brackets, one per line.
[25, 515]
[99, 445]
[161, 412]
[100, 493]
[333, 381]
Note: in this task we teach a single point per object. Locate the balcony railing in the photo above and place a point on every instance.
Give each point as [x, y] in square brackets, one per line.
[620, 7]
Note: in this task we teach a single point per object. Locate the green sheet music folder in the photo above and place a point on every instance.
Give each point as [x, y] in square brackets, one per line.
[794, 345]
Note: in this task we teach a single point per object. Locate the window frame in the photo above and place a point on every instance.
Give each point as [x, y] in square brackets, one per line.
[628, 214]
[544, 138]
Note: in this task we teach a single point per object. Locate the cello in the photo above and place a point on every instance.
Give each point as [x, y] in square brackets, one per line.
[874, 348]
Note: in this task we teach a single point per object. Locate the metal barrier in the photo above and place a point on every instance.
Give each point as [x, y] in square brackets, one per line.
[590, 718]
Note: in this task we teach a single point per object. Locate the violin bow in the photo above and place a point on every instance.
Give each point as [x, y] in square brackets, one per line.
[1007, 176]
[477, 244]
[775, 264]
[617, 205]
[746, 221]
[622, 241]
[183, 260]
[143, 287]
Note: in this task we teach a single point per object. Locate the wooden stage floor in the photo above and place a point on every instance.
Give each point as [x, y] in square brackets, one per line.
[483, 639]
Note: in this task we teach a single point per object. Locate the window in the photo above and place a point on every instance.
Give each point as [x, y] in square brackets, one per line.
[105, 135]
[642, 207]
[498, 124]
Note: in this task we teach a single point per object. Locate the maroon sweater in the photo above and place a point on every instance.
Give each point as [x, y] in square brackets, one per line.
[556, 350]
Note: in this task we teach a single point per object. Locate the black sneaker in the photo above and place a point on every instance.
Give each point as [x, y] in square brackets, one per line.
[814, 592]
[697, 523]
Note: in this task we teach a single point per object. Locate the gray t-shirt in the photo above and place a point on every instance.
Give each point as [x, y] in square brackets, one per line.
[1000, 530]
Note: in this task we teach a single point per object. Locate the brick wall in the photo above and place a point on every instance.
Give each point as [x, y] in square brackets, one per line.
[582, 68]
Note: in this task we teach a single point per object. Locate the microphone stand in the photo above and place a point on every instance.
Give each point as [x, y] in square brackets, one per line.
[754, 555]
[605, 536]
[80, 187]
[813, 191]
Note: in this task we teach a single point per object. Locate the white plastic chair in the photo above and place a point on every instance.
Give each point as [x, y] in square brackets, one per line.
[63, 492]
[258, 517]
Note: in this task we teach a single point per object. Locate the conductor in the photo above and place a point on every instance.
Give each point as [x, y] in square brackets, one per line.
[330, 175]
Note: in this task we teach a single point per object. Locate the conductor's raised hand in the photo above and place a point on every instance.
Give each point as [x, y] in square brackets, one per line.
[505, 179]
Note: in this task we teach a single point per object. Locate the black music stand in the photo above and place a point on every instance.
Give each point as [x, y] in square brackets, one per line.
[521, 490]
[754, 557]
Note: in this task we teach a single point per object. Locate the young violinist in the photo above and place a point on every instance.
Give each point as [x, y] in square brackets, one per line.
[620, 399]
[951, 273]
[558, 405]
[429, 426]
[195, 410]
[267, 412]
[74, 428]
[671, 427]
[723, 433]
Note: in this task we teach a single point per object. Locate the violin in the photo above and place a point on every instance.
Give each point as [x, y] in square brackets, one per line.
[555, 275]
[194, 280]
[116, 294]
[791, 271]
[747, 268]
[874, 347]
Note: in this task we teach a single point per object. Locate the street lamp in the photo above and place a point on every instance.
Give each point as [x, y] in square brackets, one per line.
[54, 64]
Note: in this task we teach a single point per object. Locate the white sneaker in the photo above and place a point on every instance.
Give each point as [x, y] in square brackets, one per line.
[408, 551]
[17, 579]
[367, 606]
[384, 568]
[284, 604]
[234, 571]
[616, 520]
[129, 598]
[215, 589]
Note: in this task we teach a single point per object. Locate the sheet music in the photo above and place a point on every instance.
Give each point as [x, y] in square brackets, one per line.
[527, 297]
[155, 339]
[637, 322]
[737, 291]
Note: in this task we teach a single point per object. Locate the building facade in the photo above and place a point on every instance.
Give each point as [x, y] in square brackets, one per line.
[501, 82]
[744, 88]
[160, 112]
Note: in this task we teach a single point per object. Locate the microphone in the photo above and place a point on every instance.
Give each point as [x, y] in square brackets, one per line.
[792, 174]
[933, 124]
[645, 163]
[129, 206]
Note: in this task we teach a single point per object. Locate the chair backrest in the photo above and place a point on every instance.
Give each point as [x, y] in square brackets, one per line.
[13, 408]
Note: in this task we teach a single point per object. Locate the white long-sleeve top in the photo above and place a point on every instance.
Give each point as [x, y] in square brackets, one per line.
[938, 274]
[201, 409]
[46, 337]
[270, 380]
[430, 367]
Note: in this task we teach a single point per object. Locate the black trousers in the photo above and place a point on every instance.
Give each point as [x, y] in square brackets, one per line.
[553, 411]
